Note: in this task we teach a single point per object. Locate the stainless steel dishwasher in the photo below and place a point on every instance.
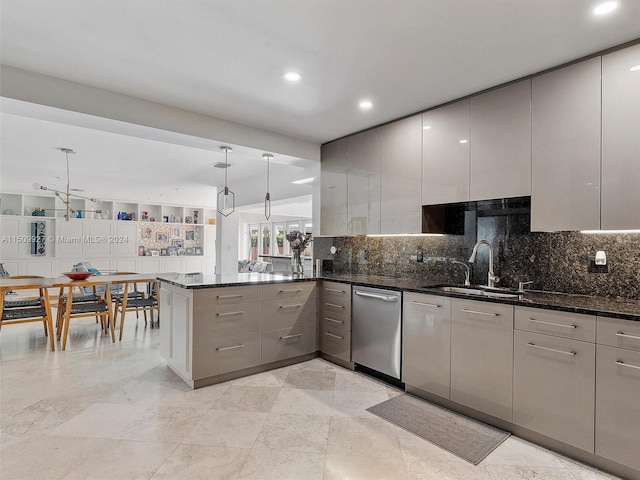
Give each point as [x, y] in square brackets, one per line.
[376, 329]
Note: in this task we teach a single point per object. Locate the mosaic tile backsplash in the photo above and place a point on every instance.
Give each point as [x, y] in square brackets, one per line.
[555, 262]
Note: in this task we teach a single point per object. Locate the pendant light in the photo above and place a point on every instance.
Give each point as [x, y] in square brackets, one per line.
[267, 197]
[65, 196]
[226, 198]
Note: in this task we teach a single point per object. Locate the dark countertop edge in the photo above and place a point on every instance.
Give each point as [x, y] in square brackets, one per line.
[380, 283]
[238, 284]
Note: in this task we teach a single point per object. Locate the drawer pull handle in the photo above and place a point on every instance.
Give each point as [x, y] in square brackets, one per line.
[533, 345]
[296, 305]
[626, 335]
[481, 313]
[552, 323]
[286, 337]
[227, 314]
[384, 298]
[333, 320]
[229, 296]
[222, 349]
[432, 305]
[291, 291]
[622, 364]
[334, 290]
[328, 334]
[334, 305]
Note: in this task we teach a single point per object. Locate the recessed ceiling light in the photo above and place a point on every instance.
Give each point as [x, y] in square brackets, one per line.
[635, 68]
[366, 104]
[292, 77]
[605, 7]
[304, 180]
[427, 127]
[464, 141]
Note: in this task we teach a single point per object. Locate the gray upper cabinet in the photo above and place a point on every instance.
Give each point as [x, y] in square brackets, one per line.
[364, 182]
[500, 143]
[621, 139]
[445, 154]
[333, 188]
[400, 153]
[565, 167]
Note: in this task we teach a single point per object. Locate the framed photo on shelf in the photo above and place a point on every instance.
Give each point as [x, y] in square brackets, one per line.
[197, 250]
[189, 235]
[141, 251]
[162, 237]
[163, 252]
[189, 250]
[171, 251]
[155, 253]
[177, 243]
[181, 252]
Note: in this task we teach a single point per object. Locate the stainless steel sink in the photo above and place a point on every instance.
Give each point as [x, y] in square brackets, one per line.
[479, 291]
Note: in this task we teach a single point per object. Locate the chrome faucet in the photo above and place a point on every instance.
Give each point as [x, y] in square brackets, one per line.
[466, 272]
[491, 278]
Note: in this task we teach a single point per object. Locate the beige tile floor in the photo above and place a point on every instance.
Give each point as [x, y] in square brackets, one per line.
[115, 411]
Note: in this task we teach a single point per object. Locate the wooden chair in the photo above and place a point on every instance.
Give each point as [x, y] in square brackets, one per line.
[69, 308]
[147, 303]
[27, 310]
[132, 294]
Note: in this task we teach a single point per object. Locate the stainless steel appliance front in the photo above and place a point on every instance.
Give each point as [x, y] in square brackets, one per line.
[376, 329]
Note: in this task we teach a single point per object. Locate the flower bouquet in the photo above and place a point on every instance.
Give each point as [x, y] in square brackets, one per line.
[298, 241]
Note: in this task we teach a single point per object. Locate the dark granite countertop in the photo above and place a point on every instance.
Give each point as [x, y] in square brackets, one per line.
[623, 308]
[200, 280]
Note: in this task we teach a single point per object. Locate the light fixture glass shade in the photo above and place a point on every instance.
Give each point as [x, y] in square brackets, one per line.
[226, 198]
[267, 197]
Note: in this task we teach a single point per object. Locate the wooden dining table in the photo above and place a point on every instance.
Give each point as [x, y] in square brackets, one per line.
[66, 285]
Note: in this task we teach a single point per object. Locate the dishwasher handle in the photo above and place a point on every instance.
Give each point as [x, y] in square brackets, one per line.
[386, 298]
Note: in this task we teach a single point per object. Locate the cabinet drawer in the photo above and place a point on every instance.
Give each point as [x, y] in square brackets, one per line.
[336, 342]
[335, 322]
[222, 356]
[561, 324]
[617, 405]
[553, 385]
[337, 293]
[226, 296]
[618, 333]
[288, 291]
[288, 343]
[288, 313]
[225, 321]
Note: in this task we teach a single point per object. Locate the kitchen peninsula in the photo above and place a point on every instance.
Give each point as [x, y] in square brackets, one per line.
[218, 327]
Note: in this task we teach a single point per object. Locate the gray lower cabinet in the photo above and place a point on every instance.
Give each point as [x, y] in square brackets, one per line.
[618, 405]
[482, 356]
[618, 391]
[553, 385]
[335, 320]
[426, 343]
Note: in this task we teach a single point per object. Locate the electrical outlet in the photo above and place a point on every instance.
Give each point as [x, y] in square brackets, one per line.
[365, 254]
[419, 256]
[593, 268]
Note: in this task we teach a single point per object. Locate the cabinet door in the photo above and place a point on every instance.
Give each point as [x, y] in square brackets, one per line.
[400, 153]
[333, 188]
[98, 235]
[69, 239]
[10, 233]
[125, 241]
[181, 334]
[482, 356]
[620, 139]
[553, 385]
[617, 405]
[501, 143]
[364, 182]
[565, 165]
[426, 342]
[445, 154]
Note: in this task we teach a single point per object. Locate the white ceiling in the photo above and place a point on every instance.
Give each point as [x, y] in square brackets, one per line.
[226, 58]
